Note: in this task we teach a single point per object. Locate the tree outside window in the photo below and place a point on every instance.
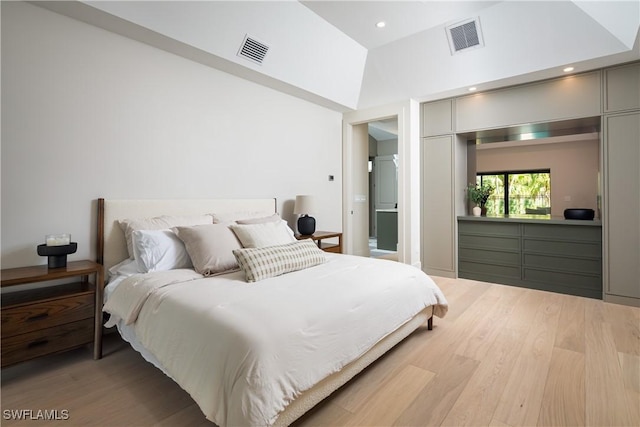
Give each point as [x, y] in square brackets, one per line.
[518, 192]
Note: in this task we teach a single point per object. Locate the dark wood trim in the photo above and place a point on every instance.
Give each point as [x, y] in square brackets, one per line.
[100, 237]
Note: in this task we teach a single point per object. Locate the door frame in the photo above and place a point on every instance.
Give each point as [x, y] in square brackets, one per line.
[408, 116]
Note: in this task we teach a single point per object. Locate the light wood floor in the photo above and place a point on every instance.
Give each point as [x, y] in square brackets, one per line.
[503, 356]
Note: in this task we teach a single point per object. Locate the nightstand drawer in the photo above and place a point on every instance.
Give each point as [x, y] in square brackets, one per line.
[45, 341]
[23, 318]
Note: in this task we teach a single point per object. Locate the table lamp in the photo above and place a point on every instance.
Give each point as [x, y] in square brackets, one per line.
[304, 206]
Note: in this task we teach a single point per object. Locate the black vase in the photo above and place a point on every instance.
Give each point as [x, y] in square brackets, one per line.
[57, 255]
[306, 225]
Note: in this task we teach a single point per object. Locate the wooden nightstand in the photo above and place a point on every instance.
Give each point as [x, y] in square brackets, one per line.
[318, 236]
[55, 318]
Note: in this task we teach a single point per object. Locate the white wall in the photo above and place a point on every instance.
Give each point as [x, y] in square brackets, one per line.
[88, 114]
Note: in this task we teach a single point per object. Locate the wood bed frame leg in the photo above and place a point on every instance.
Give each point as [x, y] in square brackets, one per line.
[430, 323]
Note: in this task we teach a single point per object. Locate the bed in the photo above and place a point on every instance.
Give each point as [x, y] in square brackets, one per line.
[258, 343]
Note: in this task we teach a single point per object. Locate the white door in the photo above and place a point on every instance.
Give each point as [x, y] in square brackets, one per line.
[360, 185]
[386, 177]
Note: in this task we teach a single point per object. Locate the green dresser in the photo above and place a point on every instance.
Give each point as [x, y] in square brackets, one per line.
[551, 255]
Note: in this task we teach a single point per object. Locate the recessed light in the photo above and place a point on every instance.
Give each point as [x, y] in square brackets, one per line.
[568, 69]
[381, 24]
[471, 89]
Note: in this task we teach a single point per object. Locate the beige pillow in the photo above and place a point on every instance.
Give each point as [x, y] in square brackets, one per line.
[210, 247]
[158, 223]
[264, 234]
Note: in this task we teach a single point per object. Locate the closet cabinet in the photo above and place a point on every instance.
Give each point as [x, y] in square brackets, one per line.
[443, 194]
[443, 174]
[621, 177]
[438, 256]
[609, 96]
[622, 207]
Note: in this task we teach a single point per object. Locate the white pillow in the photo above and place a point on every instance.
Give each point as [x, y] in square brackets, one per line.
[264, 234]
[158, 223]
[159, 250]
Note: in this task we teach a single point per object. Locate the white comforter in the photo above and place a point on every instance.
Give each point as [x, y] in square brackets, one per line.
[244, 351]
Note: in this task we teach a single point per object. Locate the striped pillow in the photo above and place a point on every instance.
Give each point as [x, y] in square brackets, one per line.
[272, 261]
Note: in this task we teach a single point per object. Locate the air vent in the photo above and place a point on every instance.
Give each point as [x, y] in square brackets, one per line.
[253, 50]
[465, 35]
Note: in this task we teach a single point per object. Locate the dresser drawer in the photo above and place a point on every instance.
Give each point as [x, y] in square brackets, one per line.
[28, 317]
[555, 232]
[476, 270]
[570, 280]
[489, 257]
[489, 242]
[563, 263]
[489, 228]
[38, 343]
[562, 248]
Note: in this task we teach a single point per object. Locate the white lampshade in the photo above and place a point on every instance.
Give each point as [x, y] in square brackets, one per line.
[305, 205]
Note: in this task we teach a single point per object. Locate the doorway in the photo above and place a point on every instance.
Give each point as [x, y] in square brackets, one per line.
[383, 188]
[355, 189]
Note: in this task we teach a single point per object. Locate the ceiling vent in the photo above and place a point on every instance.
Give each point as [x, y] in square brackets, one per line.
[465, 35]
[253, 50]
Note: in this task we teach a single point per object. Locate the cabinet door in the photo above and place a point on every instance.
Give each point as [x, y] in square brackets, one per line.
[559, 99]
[438, 230]
[437, 118]
[622, 88]
[622, 174]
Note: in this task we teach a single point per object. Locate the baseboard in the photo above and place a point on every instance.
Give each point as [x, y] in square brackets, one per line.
[440, 273]
[616, 299]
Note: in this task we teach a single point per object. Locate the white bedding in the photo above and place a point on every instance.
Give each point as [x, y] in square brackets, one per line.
[244, 351]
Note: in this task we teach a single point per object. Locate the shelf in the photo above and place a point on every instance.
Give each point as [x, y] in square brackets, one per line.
[41, 273]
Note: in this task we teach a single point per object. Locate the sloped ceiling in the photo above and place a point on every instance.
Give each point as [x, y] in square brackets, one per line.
[331, 52]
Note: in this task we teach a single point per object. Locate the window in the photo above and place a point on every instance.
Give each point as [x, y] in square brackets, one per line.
[518, 192]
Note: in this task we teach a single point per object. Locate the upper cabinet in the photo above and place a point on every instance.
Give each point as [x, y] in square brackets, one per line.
[437, 118]
[565, 98]
[622, 88]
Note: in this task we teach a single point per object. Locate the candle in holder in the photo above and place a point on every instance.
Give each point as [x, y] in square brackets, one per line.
[58, 239]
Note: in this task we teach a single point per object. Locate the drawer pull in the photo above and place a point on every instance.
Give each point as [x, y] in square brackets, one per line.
[37, 317]
[37, 343]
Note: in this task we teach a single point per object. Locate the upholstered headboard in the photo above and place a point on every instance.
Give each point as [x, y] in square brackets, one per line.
[112, 247]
